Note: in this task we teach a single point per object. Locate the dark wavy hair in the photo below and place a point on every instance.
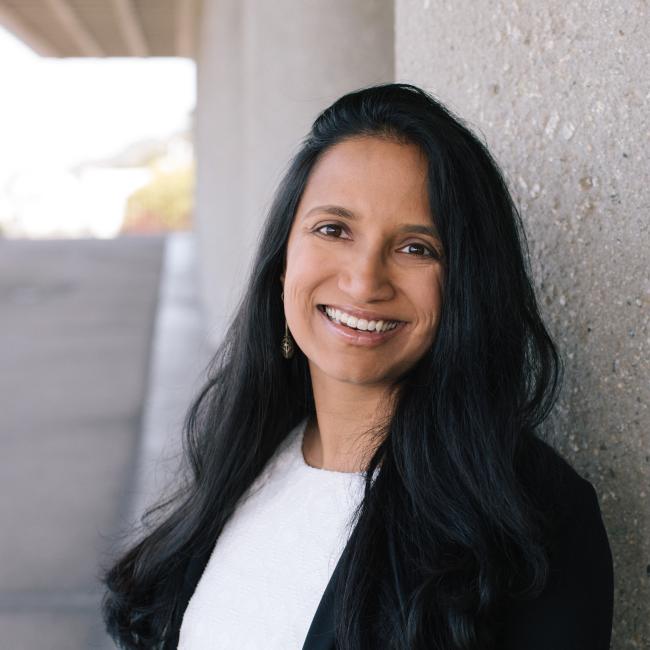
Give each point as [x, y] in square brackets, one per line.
[454, 523]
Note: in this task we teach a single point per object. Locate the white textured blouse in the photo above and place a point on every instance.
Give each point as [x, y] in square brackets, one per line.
[274, 557]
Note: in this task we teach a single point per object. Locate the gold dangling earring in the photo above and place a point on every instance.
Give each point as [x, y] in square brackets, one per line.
[287, 343]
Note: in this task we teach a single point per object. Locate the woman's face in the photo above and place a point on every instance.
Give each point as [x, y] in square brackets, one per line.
[363, 245]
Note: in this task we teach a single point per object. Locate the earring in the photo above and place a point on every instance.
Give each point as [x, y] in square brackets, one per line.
[287, 343]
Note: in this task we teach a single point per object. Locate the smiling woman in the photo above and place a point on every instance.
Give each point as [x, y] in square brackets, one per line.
[362, 294]
[366, 465]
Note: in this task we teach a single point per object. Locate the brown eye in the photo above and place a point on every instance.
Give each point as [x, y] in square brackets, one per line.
[338, 229]
[425, 250]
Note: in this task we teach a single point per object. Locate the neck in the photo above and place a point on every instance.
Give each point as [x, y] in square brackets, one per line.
[339, 438]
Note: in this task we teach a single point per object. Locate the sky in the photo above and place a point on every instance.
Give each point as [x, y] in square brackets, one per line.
[55, 113]
[65, 111]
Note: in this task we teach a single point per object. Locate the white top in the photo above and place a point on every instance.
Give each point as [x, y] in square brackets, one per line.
[274, 557]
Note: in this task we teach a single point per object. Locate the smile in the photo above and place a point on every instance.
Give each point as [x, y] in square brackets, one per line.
[359, 331]
[361, 324]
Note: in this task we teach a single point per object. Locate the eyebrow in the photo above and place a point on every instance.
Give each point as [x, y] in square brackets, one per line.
[344, 213]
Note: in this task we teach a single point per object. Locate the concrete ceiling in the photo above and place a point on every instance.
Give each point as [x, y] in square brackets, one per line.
[102, 28]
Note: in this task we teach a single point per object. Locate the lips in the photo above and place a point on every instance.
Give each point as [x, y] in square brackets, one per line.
[356, 337]
[361, 313]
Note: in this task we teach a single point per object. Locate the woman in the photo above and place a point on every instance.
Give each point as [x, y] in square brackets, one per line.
[365, 465]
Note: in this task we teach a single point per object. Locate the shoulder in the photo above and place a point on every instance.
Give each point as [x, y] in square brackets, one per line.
[570, 505]
[573, 503]
[555, 486]
[574, 611]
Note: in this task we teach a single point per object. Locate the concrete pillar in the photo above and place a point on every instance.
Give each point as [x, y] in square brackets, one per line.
[219, 134]
[560, 92]
[265, 70]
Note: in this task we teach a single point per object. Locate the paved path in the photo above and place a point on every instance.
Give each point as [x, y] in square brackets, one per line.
[84, 382]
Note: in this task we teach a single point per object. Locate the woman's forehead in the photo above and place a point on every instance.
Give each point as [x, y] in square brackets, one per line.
[374, 154]
[369, 174]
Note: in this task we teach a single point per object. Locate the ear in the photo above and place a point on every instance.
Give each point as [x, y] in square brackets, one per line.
[282, 279]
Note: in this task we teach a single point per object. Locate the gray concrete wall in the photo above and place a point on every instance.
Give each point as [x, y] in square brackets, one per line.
[265, 70]
[220, 183]
[560, 91]
[75, 325]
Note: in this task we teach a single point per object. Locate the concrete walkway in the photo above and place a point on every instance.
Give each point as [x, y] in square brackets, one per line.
[91, 388]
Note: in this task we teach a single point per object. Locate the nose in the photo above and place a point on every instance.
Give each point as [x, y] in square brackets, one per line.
[366, 277]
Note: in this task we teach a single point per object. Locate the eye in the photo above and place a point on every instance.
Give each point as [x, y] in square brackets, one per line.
[426, 251]
[333, 226]
[334, 231]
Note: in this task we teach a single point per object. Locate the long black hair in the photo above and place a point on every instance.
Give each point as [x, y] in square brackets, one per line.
[454, 522]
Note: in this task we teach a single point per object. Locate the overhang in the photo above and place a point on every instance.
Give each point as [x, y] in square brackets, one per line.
[104, 28]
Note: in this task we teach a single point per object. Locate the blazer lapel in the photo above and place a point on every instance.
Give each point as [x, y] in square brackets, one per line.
[321, 634]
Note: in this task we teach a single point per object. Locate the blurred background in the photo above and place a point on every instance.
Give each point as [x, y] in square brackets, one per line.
[140, 145]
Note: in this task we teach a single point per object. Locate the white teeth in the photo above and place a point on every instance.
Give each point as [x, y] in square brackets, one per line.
[360, 323]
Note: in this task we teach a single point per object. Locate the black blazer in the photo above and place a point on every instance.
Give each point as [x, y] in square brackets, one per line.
[573, 613]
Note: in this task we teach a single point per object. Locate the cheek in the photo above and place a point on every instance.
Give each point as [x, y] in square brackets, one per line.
[304, 275]
[429, 305]
[307, 267]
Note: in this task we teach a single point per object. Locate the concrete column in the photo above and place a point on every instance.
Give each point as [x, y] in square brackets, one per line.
[265, 70]
[561, 92]
[220, 183]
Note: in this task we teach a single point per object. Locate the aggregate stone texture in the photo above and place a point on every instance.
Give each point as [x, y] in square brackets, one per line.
[76, 320]
[560, 91]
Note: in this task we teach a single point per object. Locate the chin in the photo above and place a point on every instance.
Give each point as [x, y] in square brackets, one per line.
[360, 376]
